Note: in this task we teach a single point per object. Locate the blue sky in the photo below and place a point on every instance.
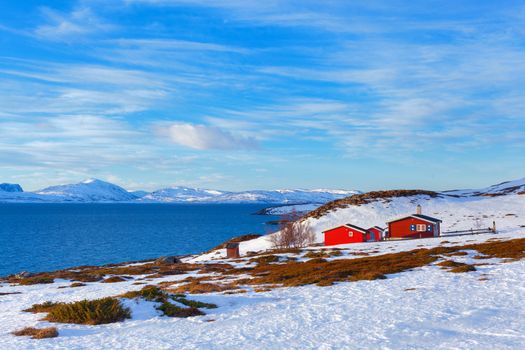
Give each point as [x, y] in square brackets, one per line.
[240, 94]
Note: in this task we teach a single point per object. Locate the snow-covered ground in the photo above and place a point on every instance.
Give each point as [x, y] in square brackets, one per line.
[426, 308]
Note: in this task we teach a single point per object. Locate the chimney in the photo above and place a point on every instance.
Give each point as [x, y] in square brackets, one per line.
[418, 209]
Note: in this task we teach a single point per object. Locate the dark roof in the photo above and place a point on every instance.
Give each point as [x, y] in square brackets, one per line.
[418, 216]
[377, 227]
[232, 245]
[356, 227]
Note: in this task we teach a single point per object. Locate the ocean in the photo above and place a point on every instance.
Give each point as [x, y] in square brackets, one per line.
[44, 237]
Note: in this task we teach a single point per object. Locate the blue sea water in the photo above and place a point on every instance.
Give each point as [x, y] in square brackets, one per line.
[44, 237]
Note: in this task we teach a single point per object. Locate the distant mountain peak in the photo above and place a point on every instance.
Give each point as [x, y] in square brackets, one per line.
[11, 188]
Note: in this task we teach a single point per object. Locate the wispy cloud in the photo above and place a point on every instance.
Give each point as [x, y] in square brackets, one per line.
[70, 26]
[203, 137]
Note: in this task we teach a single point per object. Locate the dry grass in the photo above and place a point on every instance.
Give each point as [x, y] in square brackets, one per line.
[37, 333]
[464, 268]
[456, 267]
[201, 288]
[89, 312]
[114, 279]
[265, 259]
[316, 254]
[76, 285]
[321, 272]
[35, 280]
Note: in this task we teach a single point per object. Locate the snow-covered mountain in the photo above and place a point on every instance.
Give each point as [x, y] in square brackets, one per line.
[185, 194]
[182, 194]
[91, 190]
[504, 188]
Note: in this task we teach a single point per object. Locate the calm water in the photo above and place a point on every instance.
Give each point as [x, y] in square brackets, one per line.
[43, 237]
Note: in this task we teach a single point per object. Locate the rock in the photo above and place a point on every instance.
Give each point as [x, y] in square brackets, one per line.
[23, 274]
[167, 260]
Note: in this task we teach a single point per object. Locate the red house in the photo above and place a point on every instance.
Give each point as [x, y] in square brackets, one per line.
[414, 226]
[374, 234]
[345, 234]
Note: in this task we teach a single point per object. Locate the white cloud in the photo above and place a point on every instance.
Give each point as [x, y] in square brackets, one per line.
[203, 137]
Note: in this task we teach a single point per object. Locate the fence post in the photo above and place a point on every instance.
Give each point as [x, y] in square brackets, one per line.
[494, 226]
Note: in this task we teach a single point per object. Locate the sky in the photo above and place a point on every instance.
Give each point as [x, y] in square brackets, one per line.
[241, 94]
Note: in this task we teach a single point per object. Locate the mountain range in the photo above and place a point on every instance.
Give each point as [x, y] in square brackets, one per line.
[94, 191]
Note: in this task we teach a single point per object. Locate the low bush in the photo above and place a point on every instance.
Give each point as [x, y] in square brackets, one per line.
[150, 293]
[37, 333]
[193, 303]
[89, 312]
[44, 307]
[170, 310]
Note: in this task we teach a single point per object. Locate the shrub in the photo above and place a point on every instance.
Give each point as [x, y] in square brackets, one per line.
[44, 307]
[36, 333]
[90, 312]
[150, 293]
[193, 303]
[77, 284]
[200, 288]
[293, 233]
[36, 280]
[170, 310]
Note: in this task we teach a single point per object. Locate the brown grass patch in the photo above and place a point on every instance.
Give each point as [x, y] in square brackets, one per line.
[464, 268]
[316, 254]
[35, 280]
[460, 253]
[37, 333]
[76, 285]
[265, 259]
[201, 288]
[114, 279]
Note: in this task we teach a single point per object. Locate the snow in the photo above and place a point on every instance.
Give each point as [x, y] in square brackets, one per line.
[90, 190]
[426, 308]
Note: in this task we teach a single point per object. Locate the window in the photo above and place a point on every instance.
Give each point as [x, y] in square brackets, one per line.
[350, 234]
[421, 228]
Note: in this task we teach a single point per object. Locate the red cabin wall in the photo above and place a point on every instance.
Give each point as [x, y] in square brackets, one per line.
[377, 234]
[401, 229]
[341, 235]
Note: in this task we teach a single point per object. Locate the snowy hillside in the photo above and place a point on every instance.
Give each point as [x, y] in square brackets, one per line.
[504, 188]
[457, 212]
[91, 190]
